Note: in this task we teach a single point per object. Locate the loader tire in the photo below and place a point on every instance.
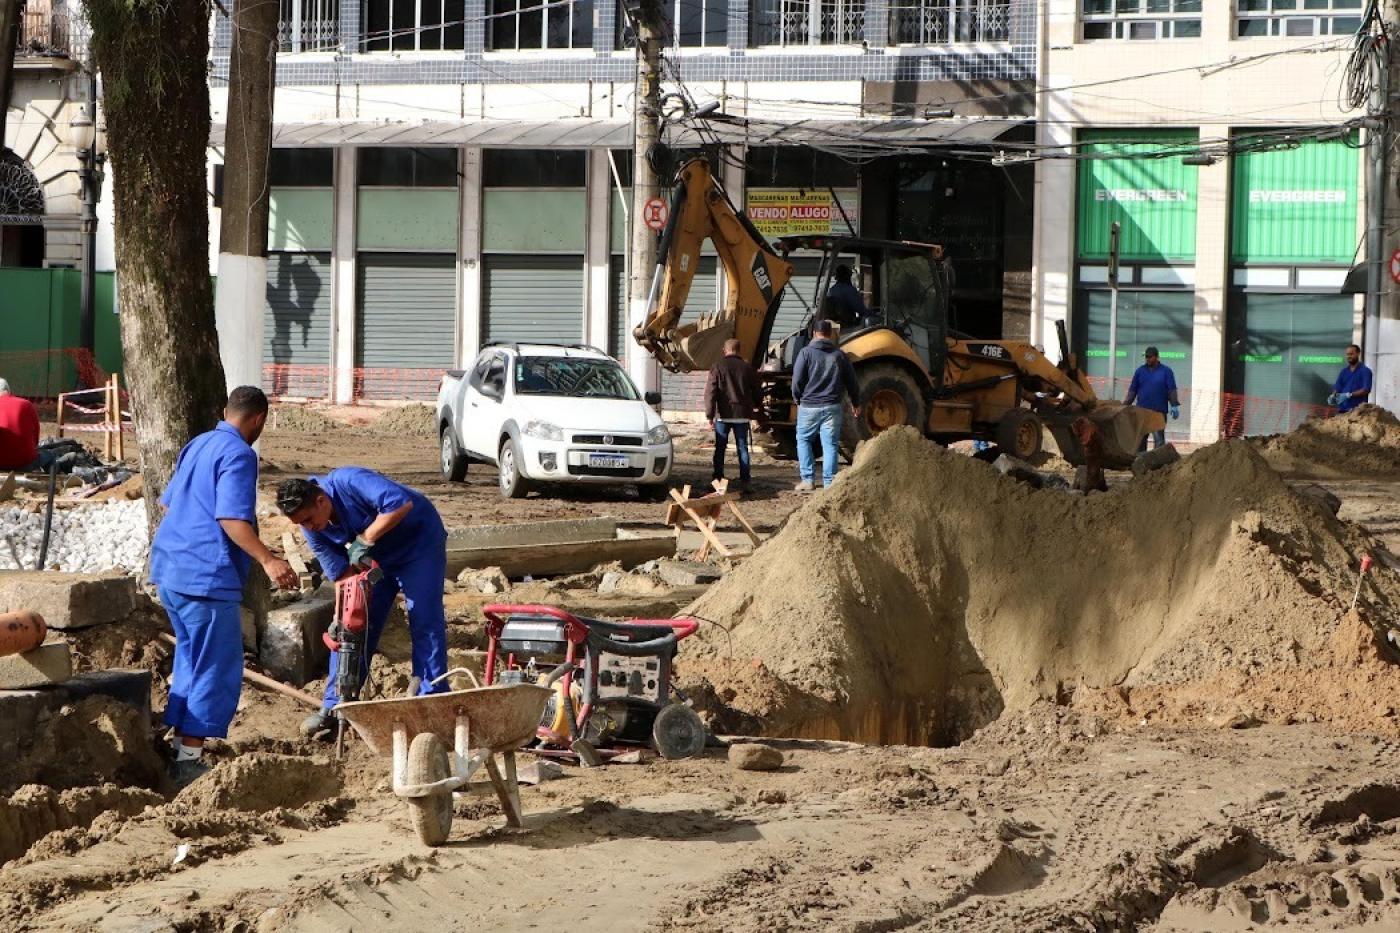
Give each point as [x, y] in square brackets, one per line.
[889, 396]
[1020, 433]
[431, 815]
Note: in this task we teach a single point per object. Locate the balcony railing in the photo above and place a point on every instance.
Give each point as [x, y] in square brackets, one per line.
[309, 26]
[807, 22]
[938, 22]
[43, 33]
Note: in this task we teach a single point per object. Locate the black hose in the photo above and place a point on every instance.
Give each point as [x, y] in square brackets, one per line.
[48, 515]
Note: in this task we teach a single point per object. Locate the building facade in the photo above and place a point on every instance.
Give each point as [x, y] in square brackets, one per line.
[1211, 132]
[452, 172]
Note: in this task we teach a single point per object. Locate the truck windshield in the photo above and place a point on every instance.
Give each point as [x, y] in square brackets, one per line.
[573, 377]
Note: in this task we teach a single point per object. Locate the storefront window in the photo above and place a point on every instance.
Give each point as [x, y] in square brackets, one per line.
[392, 167]
[1140, 19]
[534, 168]
[1258, 18]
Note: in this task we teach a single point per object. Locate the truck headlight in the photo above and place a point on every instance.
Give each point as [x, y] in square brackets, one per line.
[544, 431]
[658, 435]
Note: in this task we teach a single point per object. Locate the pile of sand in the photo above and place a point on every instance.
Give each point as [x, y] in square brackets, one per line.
[408, 421]
[1363, 442]
[300, 418]
[97, 740]
[925, 593]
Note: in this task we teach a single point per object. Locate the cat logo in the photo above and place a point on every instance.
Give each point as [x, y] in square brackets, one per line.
[761, 277]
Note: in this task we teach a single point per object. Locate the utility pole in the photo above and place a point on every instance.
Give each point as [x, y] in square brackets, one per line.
[242, 291]
[1383, 313]
[646, 21]
[9, 44]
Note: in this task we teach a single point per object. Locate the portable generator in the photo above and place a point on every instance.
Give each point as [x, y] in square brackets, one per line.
[621, 693]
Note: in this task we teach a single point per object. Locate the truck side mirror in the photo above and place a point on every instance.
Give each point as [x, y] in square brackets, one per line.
[652, 398]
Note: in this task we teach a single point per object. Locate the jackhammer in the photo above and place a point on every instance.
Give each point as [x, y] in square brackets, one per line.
[347, 635]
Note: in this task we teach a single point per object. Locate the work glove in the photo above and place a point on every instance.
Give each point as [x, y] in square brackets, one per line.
[359, 551]
[1334, 399]
[1175, 412]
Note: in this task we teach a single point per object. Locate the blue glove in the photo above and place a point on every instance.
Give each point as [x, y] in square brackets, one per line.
[1175, 412]
[1334, 399]
[359, 552]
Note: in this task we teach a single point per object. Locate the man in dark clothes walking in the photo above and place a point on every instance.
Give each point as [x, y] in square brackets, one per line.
[822, 378]
[732, 397]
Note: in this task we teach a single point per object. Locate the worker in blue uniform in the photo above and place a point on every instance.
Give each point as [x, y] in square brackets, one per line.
[200, 558]
[351, 516]
[1354, 383]
[1154, 387]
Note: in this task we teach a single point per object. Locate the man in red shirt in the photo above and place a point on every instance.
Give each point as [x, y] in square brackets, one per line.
[19, 431]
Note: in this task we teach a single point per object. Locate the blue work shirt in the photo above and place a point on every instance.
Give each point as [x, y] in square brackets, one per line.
[359, 496]
[1153, 386]
[215, 477]
[1349, 381]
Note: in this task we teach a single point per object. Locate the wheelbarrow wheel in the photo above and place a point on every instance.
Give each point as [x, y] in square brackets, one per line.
[678, 732]
[431, 815]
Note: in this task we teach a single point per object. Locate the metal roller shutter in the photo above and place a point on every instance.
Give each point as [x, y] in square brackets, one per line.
[686, 391]
[407, 325]
[532, 297]
[617, 307]
[297, 325]
[1284, 348]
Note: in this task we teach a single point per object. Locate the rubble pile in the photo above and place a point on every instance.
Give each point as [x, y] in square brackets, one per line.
[978, 594]
[85, 539]
[1364, 442]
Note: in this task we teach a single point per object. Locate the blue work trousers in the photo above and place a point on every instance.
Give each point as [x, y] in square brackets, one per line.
[740, 430]
[207, 675]
[420, 580]
[822, 421]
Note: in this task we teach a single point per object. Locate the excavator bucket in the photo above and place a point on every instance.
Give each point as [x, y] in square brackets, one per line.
[704, 346]
[1123, 427]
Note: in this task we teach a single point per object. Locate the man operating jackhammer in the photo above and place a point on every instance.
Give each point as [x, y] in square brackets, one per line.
[200, 559]
[351, 516]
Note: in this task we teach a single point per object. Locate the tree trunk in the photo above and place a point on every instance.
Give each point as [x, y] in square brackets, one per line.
[153, 56]
[242, 293]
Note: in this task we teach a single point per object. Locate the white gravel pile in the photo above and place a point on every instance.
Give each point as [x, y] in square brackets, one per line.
[86, 539]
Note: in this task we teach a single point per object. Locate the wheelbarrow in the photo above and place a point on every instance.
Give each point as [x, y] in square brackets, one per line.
[478, 725]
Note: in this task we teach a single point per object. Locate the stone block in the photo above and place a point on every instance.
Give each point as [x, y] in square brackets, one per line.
[248, 619]
[46, 664]
[23, 712]
[69, 601]
[687, 572]
[291, 649]
[130, 687]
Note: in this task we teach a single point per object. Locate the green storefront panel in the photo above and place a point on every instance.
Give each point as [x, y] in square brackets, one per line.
[1154, 199]
[1145, 319]
[1296, 205]
[1284, 348]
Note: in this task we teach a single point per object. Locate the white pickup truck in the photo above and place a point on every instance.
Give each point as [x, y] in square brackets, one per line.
[543, 413]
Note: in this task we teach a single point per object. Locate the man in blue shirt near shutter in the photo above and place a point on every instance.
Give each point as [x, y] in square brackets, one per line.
[1353, 384]
[1154, 387]
[200, 558]
[352, 515]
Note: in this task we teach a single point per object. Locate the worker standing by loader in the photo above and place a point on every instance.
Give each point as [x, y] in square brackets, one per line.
[822, 378]
[199, 563]
[1154, 388]
[353, 515]
[732, 399]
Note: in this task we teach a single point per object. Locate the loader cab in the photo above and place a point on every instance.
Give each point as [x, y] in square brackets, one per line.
[904, 285]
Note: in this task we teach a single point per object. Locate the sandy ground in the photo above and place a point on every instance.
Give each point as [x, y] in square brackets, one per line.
[1049, 819]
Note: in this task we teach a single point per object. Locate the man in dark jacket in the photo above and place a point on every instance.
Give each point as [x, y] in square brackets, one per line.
[731, 398]
[821, 379]
[844, 302]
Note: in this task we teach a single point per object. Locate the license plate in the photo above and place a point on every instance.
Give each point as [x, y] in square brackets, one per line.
[608, 462]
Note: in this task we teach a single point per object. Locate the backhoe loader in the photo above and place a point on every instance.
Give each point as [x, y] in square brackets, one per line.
[911, 367]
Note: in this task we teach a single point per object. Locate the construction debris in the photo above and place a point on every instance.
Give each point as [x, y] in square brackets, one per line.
[754, 756]
[540, 549]
[1364, 442]
[1155, 459]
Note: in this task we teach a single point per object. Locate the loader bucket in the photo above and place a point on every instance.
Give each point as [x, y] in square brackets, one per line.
[703, 346]
[1123, 428]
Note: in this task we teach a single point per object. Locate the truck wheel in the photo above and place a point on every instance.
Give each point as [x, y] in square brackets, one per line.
[513, 484]
[431, 815]
[889, 396]
[452, 460]
[1020, 433]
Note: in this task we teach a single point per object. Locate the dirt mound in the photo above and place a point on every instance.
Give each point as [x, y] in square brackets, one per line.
[95, 741]
[260, 781]
[34, 811]
[921, 622]
[301, 418]
[408, 421]
[1363, 442]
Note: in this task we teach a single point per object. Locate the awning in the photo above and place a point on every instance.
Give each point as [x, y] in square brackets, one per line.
[613, 134]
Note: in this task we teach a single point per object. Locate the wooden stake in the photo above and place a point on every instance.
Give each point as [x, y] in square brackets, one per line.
[121, 441]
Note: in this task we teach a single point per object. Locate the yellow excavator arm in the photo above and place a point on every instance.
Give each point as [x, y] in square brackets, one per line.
[754, 273]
